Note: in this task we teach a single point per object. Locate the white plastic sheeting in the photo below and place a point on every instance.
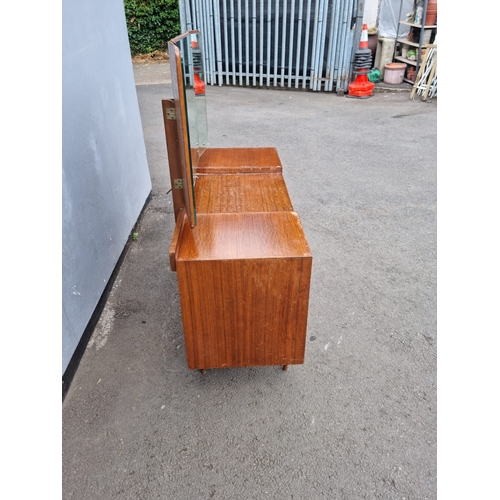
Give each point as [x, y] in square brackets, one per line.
[388, 17]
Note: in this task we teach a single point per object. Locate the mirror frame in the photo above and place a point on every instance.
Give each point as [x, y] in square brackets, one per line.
[184, 148]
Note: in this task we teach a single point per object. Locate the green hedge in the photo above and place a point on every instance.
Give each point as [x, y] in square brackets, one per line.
[151, 24]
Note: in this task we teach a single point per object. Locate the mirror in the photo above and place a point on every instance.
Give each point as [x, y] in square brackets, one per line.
[193, 75]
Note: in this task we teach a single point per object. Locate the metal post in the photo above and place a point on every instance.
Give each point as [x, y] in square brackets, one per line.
[218, 41]
[322, 41]
[269, 20]
[261, 44]
[299, 41]
[254, 42]
[283, 43]
[240, 56]
[306, 45]
[182, 15]
[346, 57]
[233, 50]
[332, 47]
[276, 29]
[247, 46]
[343, 31]
[226, 43]
[290, 48]
[421, 39]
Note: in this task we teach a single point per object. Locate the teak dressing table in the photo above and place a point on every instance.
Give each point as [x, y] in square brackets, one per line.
[242, 260]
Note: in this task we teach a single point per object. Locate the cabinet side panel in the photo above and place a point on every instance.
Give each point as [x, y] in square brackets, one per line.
[189, 321]
[247, 312]
[302, 309]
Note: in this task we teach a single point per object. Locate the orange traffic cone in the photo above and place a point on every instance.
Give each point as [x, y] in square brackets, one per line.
[362, 87]
[363, 42]
[199, 84]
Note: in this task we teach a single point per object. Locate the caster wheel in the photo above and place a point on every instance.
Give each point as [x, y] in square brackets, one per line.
[285, 367]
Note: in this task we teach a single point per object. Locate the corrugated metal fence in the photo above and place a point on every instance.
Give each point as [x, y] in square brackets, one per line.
[306, 44]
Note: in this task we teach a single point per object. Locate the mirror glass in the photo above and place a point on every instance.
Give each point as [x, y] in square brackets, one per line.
[194, 86]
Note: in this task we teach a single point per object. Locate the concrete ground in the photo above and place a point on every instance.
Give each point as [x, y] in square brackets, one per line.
[358, 419]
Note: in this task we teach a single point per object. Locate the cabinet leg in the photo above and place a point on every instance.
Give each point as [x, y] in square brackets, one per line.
[285, 367]
[203, 371]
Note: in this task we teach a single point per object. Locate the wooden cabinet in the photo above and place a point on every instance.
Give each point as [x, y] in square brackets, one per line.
[242, 260]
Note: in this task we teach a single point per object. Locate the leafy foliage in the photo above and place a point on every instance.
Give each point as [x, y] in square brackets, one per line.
[151, 24]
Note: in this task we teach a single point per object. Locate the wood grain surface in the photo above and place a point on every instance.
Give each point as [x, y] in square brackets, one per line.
[244, 284]
[238, 193]
[176, 239]
[182, 131]
[175, 162]
[248, 312]
[243, 236]
[242, 160]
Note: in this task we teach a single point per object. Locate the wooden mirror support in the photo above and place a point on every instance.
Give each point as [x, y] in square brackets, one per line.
[242, 260]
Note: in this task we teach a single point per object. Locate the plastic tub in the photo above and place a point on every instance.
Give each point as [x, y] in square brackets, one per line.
[394, 73]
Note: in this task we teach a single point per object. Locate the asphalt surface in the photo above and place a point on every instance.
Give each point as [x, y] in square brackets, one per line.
[358, 419]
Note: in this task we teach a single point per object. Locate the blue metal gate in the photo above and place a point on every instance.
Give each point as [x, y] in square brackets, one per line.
[306, 44]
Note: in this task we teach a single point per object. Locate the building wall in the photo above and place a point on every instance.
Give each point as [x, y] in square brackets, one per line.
[105, 176]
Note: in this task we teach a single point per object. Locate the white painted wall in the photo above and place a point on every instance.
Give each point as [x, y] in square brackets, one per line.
[105, 175]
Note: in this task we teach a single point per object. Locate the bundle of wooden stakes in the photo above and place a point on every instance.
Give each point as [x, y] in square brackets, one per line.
[426, 81]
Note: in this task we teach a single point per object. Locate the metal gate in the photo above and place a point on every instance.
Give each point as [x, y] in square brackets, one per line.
[304, 44]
